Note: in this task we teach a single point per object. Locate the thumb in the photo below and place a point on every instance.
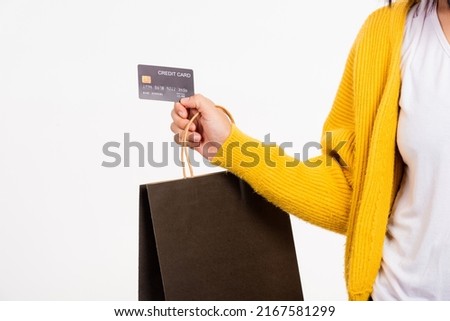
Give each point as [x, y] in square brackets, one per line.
[199, 102]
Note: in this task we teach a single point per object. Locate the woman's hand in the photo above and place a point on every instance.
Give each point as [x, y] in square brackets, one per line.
[208, 132]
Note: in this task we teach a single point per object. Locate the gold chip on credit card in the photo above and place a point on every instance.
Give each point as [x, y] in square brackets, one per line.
[146, 79]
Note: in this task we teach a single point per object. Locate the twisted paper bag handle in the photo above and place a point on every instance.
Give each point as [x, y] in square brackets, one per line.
[183, 142]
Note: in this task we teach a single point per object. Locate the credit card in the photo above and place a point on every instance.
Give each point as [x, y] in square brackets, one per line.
[165, 83]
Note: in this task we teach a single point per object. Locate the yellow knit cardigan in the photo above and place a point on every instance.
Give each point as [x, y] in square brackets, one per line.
[350, 189]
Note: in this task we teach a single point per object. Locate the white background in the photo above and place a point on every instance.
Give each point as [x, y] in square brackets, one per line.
[68, 85]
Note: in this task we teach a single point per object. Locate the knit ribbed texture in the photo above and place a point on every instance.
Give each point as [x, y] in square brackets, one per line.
[350, 188]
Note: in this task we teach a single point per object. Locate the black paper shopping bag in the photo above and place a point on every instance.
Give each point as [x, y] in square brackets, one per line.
[212, 237]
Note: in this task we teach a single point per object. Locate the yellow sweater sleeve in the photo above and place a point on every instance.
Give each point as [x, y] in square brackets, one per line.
[317, 190]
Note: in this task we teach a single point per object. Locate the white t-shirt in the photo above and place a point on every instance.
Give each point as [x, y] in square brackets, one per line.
[416, 254]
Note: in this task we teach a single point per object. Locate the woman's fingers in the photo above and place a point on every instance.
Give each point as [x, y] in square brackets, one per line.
[180, 110]
[180, 122]
[192, 139]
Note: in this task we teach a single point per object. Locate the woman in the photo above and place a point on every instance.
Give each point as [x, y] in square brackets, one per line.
[382, 179]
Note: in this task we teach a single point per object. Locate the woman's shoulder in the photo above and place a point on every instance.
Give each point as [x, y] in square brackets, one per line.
[388, 14]
[386, 21]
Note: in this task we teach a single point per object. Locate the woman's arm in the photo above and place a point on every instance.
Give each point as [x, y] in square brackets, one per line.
[317, 190]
